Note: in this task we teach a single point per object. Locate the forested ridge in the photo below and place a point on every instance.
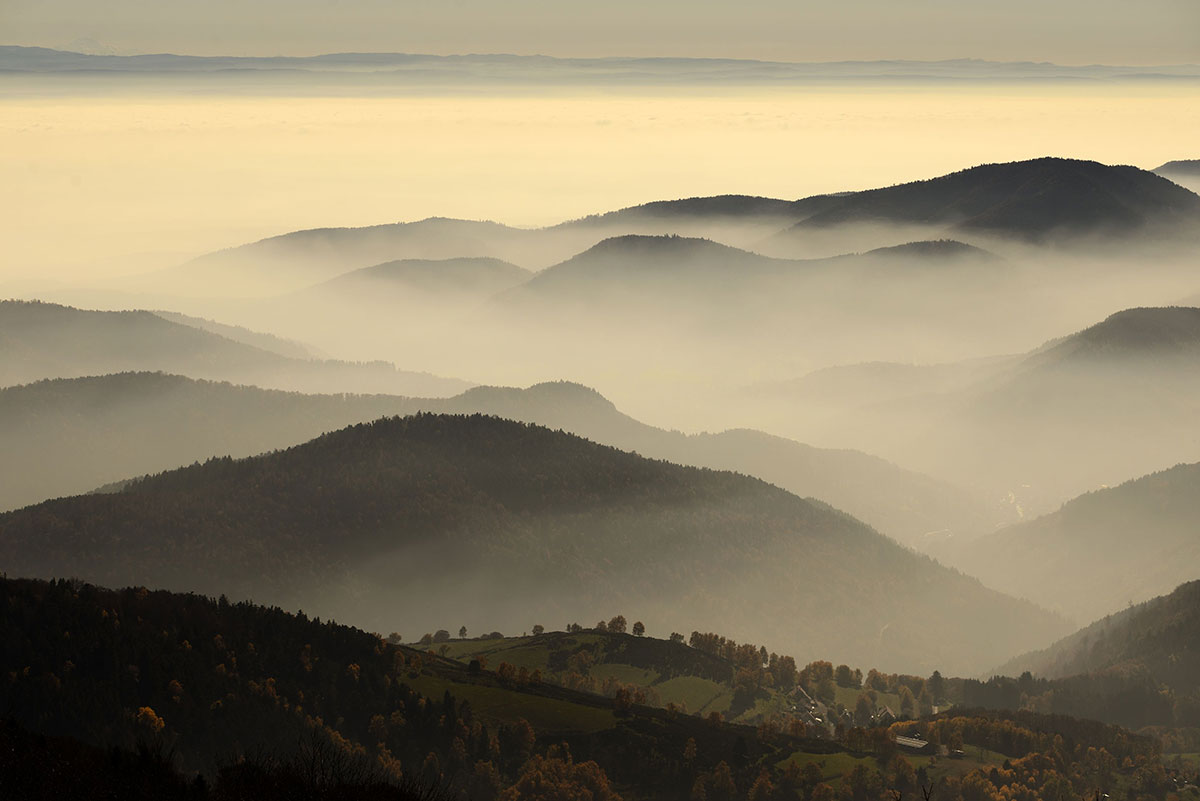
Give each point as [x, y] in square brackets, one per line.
[475, 513]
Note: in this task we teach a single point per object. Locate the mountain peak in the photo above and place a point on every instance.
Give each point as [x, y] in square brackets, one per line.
[1032, 199]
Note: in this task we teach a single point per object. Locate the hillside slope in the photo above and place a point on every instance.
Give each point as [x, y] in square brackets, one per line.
[489, 521]
[46, 340]
[1100, 552]
[70, 436]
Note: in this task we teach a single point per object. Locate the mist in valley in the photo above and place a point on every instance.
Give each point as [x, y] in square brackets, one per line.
[894, 364]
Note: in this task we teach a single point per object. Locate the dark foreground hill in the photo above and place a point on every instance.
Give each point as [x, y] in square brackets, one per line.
[266, 704]
[146, 694]
[489, 521]
[46, 340]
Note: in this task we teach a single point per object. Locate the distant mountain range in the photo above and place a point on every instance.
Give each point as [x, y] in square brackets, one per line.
[1028, 200]
[46, 340]
[401, 68]
[486, 520]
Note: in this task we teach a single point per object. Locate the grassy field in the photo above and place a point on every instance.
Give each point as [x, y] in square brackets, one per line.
[1191, 760]
[940, 766]
[848, 697]
[626, 674]
[833, 766]
[544, 714]
[700, 695]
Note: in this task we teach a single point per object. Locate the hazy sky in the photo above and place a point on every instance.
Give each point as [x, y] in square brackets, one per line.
[1063, 31]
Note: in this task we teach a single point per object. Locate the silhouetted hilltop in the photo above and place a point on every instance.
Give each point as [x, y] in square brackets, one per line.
[1141, 333]
[1180, 167]
[46, 340]
[717, 208]
[1100, 551]
[485, 519]
[634, 264]
[1028, 199]
[932, 249]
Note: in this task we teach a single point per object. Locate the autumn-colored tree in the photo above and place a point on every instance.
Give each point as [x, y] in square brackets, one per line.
[148, 718]
[721, 786]
[762, 789]
[556, 777]
[843, 676]
[901, 775]
[864, 710]
[485, 782]
[823, 792]
[689, 751]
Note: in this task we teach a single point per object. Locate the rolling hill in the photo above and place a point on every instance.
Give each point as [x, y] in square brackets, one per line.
[69, 436]
[490, 521]
[45, 340]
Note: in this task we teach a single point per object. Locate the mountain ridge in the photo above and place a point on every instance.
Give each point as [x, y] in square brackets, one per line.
[330, 524]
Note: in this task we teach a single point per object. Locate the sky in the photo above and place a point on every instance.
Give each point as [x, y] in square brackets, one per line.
[1062, 31]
